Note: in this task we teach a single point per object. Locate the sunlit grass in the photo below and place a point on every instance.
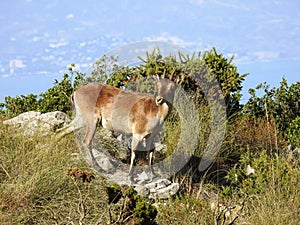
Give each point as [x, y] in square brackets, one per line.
[35, 188]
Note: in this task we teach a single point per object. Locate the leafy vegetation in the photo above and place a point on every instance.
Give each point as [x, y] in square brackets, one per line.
[293, 132]
[281, 103]
[254, 180]
[56, 98]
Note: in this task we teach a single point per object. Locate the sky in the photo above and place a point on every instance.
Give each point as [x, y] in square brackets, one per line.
[40, 39]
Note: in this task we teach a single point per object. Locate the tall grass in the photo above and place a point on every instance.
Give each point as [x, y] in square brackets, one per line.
[35, 187]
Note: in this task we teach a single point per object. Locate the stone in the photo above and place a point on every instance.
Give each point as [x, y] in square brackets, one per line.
[159, 147]
[160, 189]
[32, 122]
[249, 170]
[166, 192]
[104, 161]
[143, 177]
[161, 183]
[142, 190]
[22, 119]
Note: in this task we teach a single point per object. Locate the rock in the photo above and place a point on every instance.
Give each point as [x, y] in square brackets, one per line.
[104, 161]
[166, 192]
[143, 177]
[227, 214]
[160, 189]
[22, 119]
[249, 170]
[117, 172]
[162, 183]
[107, 140]
[31, 122]
[159, 147]
[142, 191]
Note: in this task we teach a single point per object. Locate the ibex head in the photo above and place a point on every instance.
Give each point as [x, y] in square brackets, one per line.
[166, 89]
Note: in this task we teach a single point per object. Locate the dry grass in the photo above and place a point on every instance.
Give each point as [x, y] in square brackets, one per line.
[188, 210]
[34, 186]
[270, 208]
[35, 189]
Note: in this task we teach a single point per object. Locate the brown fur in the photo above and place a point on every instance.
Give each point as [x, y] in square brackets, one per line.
[138, 114]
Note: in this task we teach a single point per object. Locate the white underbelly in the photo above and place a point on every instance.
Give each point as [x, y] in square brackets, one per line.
[119, 126]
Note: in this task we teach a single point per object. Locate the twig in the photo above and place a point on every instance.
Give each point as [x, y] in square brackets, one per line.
[202, 182]
[268, 127]
[122, 211]
[2, 166]
[81, 206]
[100, 218]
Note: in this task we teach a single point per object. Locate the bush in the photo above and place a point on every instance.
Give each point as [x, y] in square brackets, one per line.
[15, 106]
[134, 210]
[269, 174]
[269, 186]
[293, 133]
[282, 104]
[182, 69]
[56, 98]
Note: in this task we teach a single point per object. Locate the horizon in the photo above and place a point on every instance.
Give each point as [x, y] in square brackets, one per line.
[39, 41]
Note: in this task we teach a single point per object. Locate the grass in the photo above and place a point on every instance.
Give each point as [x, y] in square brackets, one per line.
[273, 209]
[36, 188]
[187, 210]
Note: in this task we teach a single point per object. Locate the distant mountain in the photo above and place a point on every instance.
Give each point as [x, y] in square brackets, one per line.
[41, 56]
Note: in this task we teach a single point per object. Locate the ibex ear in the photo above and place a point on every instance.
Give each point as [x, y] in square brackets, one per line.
[159, 100]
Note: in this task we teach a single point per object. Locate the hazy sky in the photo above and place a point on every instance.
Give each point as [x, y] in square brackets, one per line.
[39, 39]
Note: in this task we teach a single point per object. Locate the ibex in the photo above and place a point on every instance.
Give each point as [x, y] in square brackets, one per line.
[130, 113]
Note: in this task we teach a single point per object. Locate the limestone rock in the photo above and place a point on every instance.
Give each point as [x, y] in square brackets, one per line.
[160, 189]
[22, 119]
[32, 122]
[142, 190]
[167, 192]
[161, 183]
[104, 161]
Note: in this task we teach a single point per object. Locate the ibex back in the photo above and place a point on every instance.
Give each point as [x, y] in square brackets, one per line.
[131, 113]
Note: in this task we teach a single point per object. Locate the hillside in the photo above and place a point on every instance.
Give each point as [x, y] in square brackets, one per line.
[253, 179]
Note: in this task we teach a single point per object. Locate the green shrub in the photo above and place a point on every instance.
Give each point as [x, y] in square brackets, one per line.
[144, 212]
[271, 174]
[282, 104]
[134, 210]
[56, 98]
[293, 133]
[114, 193]
[15, 106]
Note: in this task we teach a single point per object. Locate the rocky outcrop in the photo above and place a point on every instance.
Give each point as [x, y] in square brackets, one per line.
[160, 189]
[31, 123]
[113, 170]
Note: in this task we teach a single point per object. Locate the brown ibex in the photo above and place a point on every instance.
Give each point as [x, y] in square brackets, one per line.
[130, 113]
